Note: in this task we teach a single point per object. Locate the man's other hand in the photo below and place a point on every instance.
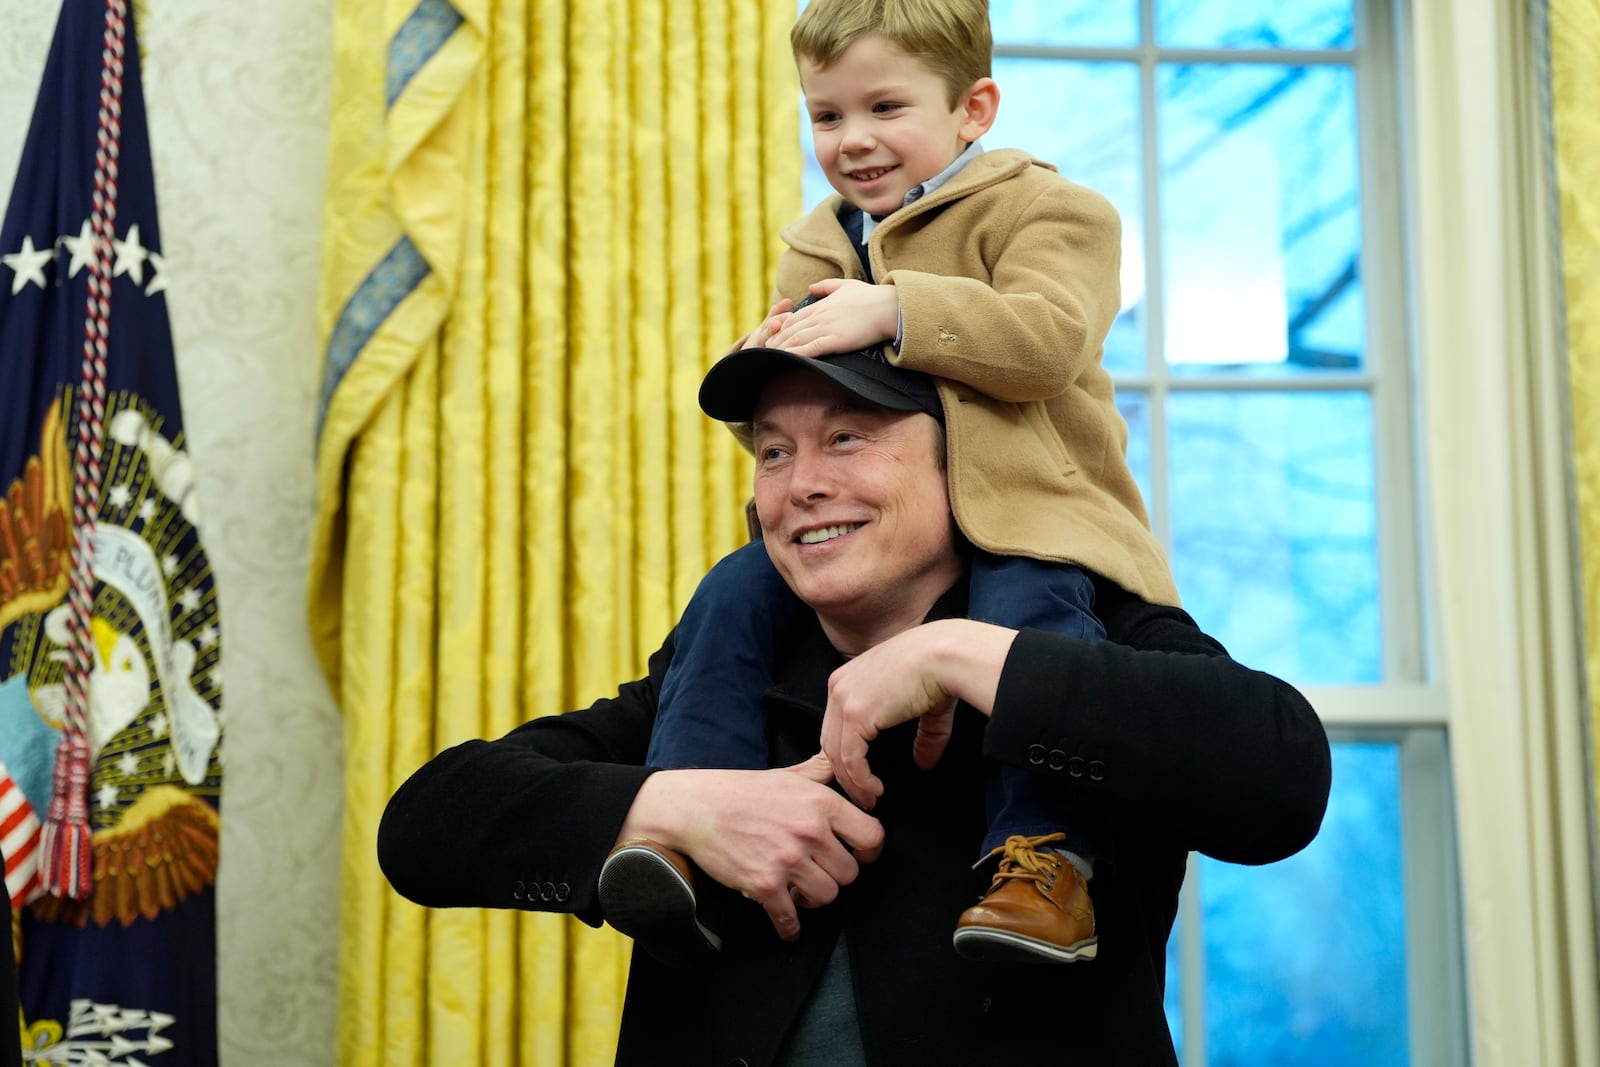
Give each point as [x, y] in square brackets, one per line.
[918, 674]
[780, 837]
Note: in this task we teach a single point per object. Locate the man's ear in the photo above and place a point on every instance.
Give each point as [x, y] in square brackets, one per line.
[978, 106]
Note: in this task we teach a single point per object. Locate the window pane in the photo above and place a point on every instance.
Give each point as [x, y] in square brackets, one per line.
[1306, 959]
[1172, 1002]
[1261, 218]
[1084, 118]
[1065, 22]
[1274, 529]
[1255, 24]
[1135, 409]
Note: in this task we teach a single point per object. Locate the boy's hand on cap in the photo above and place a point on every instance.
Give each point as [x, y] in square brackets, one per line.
[847, 316]
[761, 336]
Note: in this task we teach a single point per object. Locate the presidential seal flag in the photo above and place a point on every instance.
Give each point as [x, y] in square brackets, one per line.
[110, 642]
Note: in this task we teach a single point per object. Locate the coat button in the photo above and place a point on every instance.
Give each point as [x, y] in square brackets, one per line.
[1036, 754]
[1097, 770]
[1058, 759]
[563, 891]
[516, 891]
[1075, 766]
[547, 892]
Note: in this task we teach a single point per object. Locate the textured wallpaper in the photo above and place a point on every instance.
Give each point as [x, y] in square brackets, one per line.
[237, 95]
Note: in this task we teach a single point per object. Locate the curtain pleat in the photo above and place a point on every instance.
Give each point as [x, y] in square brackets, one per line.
[544, 221]
[1575, 104]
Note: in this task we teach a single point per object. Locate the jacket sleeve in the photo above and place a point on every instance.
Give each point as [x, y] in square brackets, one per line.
[1233, 762]
[524, 821]
[1039, 321]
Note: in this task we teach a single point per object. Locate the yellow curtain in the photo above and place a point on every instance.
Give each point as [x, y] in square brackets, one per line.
[544, 219]
[1575, 103]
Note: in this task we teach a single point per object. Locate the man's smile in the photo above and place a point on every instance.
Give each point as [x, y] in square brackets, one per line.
[827, 533]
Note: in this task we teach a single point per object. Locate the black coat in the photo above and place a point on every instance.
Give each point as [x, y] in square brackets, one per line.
[1187, 749]
[10, 1037]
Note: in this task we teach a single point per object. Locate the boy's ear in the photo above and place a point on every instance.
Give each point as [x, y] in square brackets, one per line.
[978, 106]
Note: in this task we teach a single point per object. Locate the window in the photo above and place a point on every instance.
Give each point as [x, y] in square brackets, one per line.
[1262, 366]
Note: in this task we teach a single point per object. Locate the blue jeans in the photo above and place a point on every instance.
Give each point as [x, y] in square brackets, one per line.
[1016, 592]
[709, 713]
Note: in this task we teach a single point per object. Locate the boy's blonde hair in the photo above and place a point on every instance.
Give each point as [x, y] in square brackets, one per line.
[949, 37]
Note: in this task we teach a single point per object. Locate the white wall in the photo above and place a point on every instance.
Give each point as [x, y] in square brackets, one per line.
[237, 96]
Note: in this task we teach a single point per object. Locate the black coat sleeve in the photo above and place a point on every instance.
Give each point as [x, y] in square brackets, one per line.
[1230, 762]
[524, 821]
[10, 1031]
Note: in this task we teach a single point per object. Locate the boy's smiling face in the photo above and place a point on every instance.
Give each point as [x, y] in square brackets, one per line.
[882, 123]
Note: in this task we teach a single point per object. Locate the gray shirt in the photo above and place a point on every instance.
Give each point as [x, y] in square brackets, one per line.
[827, 1032]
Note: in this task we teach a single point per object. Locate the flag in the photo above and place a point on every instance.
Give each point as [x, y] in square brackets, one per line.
[110, 642]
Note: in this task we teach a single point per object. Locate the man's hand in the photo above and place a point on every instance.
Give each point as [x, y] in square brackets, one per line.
[780, 837]
[919, 674]
[850, 315]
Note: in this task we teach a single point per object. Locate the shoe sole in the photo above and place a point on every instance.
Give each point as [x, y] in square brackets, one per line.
[987, 945]
[645, 897]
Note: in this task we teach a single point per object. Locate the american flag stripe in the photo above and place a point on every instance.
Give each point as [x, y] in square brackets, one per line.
[19, 842]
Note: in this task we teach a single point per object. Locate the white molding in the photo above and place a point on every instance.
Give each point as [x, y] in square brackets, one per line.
[1394, 704]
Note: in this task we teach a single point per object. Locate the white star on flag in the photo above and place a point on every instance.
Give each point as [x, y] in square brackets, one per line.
[119, 496]
[208, 637]
[28, 264]
[189, 598]
[147, 509]
[128, 765]
[81, 249]
[158, 284]
[130, 256]
[107, 796]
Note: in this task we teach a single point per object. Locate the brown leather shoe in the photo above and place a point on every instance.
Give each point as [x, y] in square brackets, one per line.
[647, 892]
[1037, 909]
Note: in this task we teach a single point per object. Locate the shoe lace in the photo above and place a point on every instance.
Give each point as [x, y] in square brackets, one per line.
[1020, 858]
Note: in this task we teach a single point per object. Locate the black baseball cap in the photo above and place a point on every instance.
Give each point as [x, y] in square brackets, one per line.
[732, 387]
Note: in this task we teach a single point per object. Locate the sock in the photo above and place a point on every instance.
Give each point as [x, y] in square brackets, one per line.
[1084, 864]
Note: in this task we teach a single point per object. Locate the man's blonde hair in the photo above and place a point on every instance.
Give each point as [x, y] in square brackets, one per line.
[949, 37]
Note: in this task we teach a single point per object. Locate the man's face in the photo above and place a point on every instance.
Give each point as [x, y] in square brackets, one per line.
[853, 507]
[881, 122]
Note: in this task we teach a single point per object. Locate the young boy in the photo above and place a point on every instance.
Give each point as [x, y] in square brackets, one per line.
[995, 274]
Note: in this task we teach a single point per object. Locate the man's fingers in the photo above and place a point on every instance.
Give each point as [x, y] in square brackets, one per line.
[859, 831]
[815, 889]
[817, 768]
[855, 775]
[780, 908]
[864, 789]
[839, 867]
[933, 736]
